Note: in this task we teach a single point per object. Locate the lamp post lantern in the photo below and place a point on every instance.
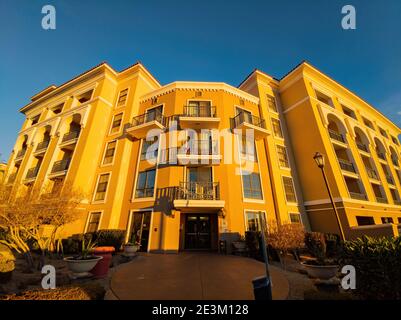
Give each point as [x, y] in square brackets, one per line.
[319, 159]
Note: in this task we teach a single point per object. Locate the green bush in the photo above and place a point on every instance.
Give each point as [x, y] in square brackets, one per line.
[110, 238]
[378, 266]
[326, 248]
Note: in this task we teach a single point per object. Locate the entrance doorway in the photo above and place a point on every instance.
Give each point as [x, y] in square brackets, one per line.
[140, 229]
[197, 232]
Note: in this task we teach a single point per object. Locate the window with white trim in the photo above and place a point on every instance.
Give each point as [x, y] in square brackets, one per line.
[252, 186]
[101, 187]
[289, 189]
[122, 98]
[271, 103]
[145, 185]
[295, 217]
[116, 124]
[93, 221]
[282, 156]
[277, 128]
[254, 220]
[109, 153]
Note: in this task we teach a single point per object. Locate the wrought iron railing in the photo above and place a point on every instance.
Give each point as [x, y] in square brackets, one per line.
[362, 147]
[381, 199]
[198, 191]
[72, 135]
[147, 117]
[200, 111]
[21, 153]
[336, 136]
[248, 118]
[32, 173]
[61, 165]
[42, 145]
[358, 196]
[346, 165]
[372, 174]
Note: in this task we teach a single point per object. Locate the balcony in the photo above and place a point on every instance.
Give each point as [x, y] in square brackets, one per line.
[346, 166]
[362, 147]
[20, 154]
[196, 152]
[42, 147]
[358, 196]
[390, 179]
[12, 177]
[336, 136]
[372, 174]
[143, 123]
[202, 196]
[381, 155]
[32, 173]
[199, 117]
[60, 167]
[70, 139]
[381, 199]
[244, 121]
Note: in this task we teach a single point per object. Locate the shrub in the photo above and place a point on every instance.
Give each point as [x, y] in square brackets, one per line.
[110, 238]
[325, 248]
[252, 240]
[378, 266]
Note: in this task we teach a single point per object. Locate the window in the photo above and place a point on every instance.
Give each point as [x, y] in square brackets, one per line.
[383, 132]
[254, 221]
[122, 98]
[110, 150]
[295, 218]
[387, 220]
[277, 128]
[93, 221]
[248, 149]
[271, 103]
[145, 184]
[58, 108]
[115, 126]
[367, 123]
[395, 140]
[102, 187]
[289, 189]
[85, 97]
[35, 120]
[282, 157]
[152, 154]
[365, 221]
[324, 98]
[252, 187]
[347, 111]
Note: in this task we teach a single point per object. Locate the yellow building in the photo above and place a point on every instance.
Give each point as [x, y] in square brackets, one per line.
[174, 167]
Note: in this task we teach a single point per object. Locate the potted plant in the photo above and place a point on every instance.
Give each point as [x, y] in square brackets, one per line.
[322, 266]
[131, 248]
[240, 245]
[81, 264]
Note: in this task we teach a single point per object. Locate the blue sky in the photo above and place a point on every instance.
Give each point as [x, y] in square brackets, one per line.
[198, 40]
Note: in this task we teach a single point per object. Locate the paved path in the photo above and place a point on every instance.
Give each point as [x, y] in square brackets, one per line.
[192, 276]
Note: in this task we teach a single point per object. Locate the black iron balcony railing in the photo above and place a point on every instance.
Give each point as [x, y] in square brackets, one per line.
[32, 173]
[198, 191]
[394, 161]
[248, 118]
[358, 196]
[381, 155]
[42, 145]
[72, 135]
[199, 147]
[346, 165]
[389, 179]
[61, 165]
[381, 199]
[147, 117]
[200, 111]
[11, 177]
[336, 136]
[20, 153]
[372, 174]
[362, 147]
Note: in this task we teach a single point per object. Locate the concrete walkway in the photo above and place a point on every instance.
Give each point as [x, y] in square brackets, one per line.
[191, 276]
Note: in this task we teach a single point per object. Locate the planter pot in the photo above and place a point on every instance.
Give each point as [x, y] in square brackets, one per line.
[131, 249]
[321, 272]
[102, 267]
[81, 268]
[5, 276]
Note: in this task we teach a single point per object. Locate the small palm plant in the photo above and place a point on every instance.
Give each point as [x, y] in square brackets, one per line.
[87, 248]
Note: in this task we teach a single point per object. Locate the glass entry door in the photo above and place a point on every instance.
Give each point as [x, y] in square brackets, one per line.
[197, 232]
[140, 229]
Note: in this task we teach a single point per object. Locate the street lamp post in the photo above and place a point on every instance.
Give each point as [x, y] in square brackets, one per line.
[319, 159]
